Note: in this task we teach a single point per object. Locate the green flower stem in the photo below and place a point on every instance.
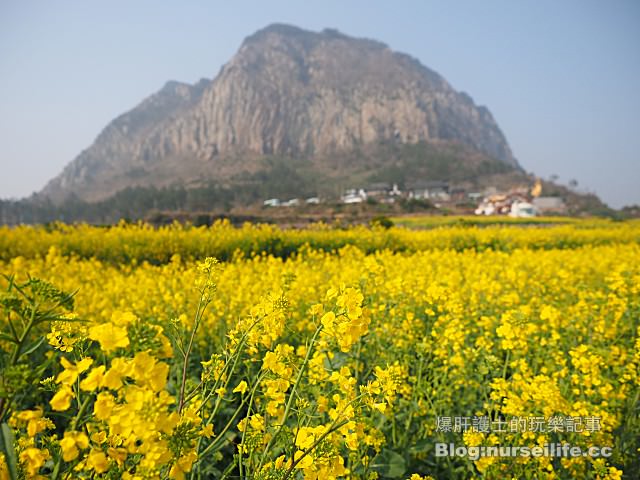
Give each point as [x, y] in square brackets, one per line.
[335, 426]
[220, 435]
[187, 353]
[244, 433]
[74, 425]
[291, 395]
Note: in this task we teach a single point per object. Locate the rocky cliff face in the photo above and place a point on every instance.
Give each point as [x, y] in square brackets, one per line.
[286, 92]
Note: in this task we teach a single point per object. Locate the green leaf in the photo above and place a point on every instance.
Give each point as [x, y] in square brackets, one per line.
[34, 346]
[421, 446]
[8, 338]
[389, 464]
[7, 447]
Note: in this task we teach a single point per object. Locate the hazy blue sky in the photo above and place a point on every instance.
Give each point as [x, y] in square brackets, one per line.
[562, 78]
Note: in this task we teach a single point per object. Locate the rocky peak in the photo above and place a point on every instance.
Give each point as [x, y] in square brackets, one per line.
[287, 92]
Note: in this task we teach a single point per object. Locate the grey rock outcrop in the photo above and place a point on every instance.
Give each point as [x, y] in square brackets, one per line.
[286, 92]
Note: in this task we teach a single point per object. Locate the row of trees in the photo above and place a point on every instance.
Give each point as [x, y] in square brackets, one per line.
[131, 203]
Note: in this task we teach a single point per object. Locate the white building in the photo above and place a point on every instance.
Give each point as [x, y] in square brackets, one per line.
[354, 196]
[272, 202]
[522, 209]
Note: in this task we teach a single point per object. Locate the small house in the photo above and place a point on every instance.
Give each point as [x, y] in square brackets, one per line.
[429, 190]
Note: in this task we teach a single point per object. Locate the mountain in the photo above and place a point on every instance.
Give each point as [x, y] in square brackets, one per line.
[321, 103]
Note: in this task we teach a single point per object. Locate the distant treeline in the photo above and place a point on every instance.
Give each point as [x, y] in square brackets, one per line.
[144, 202]
[130, 203]
[278, 179]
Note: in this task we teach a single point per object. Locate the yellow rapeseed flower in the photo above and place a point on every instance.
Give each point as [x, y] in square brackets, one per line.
[110, 336]
[61, 401]
[72, 443]
[241, 387]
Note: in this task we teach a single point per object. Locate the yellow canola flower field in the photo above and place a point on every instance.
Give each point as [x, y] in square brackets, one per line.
[125, 242]
[319, 354]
